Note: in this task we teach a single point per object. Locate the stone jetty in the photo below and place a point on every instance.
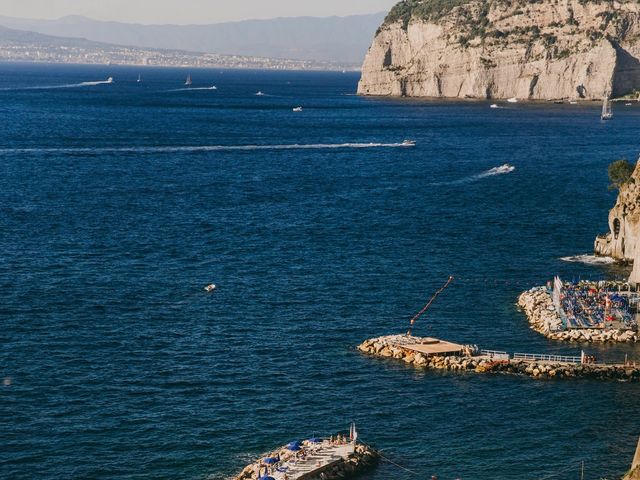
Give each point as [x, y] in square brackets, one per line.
[537, 304]
[404, 349]
[324, 460]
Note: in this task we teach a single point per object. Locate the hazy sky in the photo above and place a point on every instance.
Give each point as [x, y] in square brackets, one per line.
[188, 11]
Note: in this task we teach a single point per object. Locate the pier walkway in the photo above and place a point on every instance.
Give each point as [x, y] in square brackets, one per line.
[317, 458]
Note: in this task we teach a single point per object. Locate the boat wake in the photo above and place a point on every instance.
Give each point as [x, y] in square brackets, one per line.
[198, 148]
[191, 89]
[68, 85]
[589, 259]
[501, 170]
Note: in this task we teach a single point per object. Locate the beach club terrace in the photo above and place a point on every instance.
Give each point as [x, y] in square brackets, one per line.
[588, 305]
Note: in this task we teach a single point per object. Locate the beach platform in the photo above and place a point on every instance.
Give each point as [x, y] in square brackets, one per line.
[322, 458]
[314, 459]
[429, 346]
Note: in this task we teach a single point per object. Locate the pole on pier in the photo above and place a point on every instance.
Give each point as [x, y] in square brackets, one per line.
[426, 307]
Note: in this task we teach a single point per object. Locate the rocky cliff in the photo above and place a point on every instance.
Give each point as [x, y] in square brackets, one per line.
[622, 241]
[529, 49]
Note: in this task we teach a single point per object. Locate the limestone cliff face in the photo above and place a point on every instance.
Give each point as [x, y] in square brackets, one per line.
[623, 240]
[565, 49]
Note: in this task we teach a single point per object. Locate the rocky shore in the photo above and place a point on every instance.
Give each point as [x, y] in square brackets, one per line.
[391, 347]
[543, 318]
[362, 458]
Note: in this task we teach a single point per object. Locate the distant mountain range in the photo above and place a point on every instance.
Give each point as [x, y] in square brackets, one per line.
[335, 39]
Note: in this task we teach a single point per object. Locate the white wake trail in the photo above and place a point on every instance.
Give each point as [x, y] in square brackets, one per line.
[501, 170]
[198, 148]
[192, 89]
[55, 87]
[589, 259]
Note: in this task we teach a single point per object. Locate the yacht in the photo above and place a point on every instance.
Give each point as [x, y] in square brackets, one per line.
[408, 143]
[297, 109]
[494, 105]
[259, 93]
[512, 100]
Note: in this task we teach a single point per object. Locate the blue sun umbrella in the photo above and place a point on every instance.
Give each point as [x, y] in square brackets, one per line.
[314, 440]
[270, 460]
[294, 447]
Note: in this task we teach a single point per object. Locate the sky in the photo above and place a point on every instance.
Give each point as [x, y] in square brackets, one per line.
[188, 11]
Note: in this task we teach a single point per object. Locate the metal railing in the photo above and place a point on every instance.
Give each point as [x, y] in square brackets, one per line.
[546, 358]
[495, 354]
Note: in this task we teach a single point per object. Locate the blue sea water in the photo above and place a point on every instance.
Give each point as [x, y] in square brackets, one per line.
[118, 365]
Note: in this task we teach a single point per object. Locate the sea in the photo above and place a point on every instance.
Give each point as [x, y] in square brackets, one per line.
[120, 202]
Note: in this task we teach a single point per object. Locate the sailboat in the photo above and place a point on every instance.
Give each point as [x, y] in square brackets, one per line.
[607, 114]
[139, 78]
[188, 82]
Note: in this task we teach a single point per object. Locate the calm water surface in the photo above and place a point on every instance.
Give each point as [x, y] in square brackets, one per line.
[120, 365]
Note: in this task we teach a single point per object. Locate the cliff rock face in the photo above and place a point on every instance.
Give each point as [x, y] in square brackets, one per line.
[622, 241]
[564, 49]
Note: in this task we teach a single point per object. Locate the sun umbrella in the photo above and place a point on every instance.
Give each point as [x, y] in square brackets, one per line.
[294, 447]
[270, 460]
[314, 440]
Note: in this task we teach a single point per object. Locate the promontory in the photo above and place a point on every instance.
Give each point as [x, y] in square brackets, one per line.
[527, 49]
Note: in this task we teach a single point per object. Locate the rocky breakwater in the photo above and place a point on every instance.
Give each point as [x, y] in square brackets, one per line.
[543, 50]
[538, 306]
[395, 346]
[325, 461]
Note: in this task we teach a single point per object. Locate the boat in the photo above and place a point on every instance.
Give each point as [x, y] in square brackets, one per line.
[139, 79]
[558, 102]
[512, 100]
[607, 113]
[494, 105]
[188, 81]
[573, 102]
[210, 288]
[109, 80]
[297, 109]
[259, 93]
[506, 168]
[628, 104]
[408, 143]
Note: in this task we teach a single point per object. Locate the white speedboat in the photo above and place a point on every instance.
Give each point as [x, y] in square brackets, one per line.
[297, 109]
[512, 100]
[109, 80]
[494, 105]
[408, 143]
[259, 93]
[210, 288]
[506, 168]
